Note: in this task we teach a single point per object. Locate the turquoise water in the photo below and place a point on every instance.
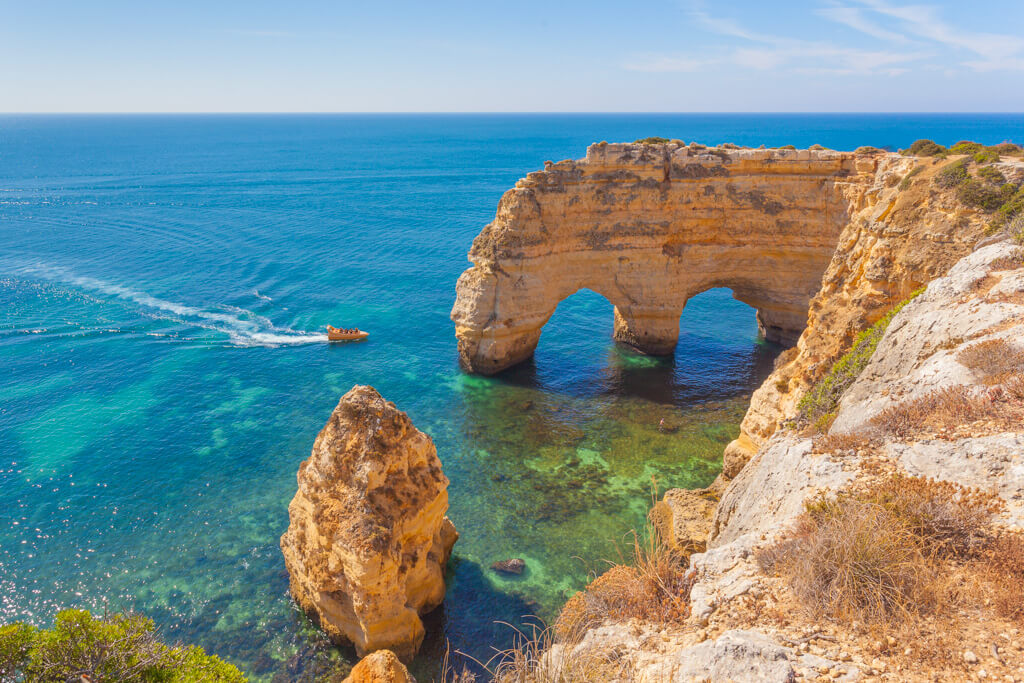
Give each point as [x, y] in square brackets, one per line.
[164, 283]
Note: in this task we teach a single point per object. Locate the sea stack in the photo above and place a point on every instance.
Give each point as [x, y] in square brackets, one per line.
[368, 538]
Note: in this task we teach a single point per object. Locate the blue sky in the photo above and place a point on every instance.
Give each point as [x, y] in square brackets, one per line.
[685, 55]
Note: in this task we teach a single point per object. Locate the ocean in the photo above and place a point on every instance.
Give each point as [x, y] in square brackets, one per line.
[165, 282]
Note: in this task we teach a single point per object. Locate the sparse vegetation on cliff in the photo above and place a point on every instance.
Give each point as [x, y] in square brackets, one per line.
[653, 140]
[901, 546]
[120, 647]
[988, 188]
[651, 586]
[925, 148]
[817, 408]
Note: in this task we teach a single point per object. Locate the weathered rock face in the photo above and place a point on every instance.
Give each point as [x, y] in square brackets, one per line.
[381, 666]
[682, 519]
[648, 227]
[903, 238]
[368, 540]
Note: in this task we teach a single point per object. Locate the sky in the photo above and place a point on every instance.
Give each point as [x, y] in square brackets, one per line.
[528, 55]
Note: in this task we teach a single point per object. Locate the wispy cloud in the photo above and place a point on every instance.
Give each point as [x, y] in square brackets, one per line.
[914, 36]
[762, 52]
[854, 17]
[996, 50]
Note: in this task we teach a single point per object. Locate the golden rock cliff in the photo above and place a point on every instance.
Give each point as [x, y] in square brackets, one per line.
[821, 243]
[368, 539]
[648, 227]
[904, 236]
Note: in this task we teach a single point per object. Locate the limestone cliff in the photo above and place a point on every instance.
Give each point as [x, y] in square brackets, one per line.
[821, 243]
[368, 539]
[903, 238]
[963, 337]
[648, 227]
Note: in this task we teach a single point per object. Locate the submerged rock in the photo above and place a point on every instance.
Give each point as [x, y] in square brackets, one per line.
[380, 667]
[368, 539]
[513, 566]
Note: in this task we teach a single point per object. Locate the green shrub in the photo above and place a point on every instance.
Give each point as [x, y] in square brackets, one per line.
[966, 147]
[119, 647]
[818, 406]
[787, 147]
[924, 148]
[653, 140]
[1006, 148]
[817, 147]
[906, 182]
[952, 175]
[986, 156]
[867, 150]
[982, 195]
[991, 174]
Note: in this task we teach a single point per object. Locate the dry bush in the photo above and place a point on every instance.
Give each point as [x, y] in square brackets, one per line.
[653, 587]
[1011, 262]
[941, 408]
[951, 520]
[1001, 567]
[993, 360]
[1014, 387]
[537, 658]
[881, 552]
[854, 560]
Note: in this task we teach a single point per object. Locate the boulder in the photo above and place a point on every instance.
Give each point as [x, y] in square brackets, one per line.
[682, 519]
[381, 666]
[368, 539]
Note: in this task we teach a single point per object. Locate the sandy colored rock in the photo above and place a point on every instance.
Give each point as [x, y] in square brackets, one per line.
[381, 666]
[682, 519]
[648, 227]
[894, 243]
[368, 539]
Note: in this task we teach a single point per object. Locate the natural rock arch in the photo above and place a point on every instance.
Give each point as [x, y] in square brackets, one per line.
[650, 226]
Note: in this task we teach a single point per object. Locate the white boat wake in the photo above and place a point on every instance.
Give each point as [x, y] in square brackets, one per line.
[242, 327]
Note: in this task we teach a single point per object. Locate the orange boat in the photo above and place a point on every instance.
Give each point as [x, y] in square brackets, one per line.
[338, 334]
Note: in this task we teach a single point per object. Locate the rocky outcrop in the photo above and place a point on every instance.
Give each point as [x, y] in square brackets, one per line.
[648, 227]
[381, 666]
[744, 622]
[682, 519]
[906, 235]
[368, 539]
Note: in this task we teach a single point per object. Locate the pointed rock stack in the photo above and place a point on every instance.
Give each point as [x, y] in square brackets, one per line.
[368, 538]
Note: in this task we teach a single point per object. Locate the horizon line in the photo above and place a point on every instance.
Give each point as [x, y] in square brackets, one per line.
[500, 113]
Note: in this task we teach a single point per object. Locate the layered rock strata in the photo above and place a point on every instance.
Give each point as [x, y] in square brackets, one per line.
[648, 227]
[368, 539]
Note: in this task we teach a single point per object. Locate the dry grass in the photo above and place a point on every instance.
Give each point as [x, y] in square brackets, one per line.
[993, 361]
[854, 560]
[880, 554]
[1001, 566]
[951, 520]
[945, 407]
[653, 586]
[1012, 262]
[536, 657]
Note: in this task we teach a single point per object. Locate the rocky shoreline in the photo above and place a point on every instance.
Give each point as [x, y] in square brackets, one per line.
[825, 245]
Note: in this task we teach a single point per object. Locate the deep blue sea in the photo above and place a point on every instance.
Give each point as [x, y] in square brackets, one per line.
[164, 285]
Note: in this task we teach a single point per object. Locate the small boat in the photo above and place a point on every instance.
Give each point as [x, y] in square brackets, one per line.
[337, 334]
